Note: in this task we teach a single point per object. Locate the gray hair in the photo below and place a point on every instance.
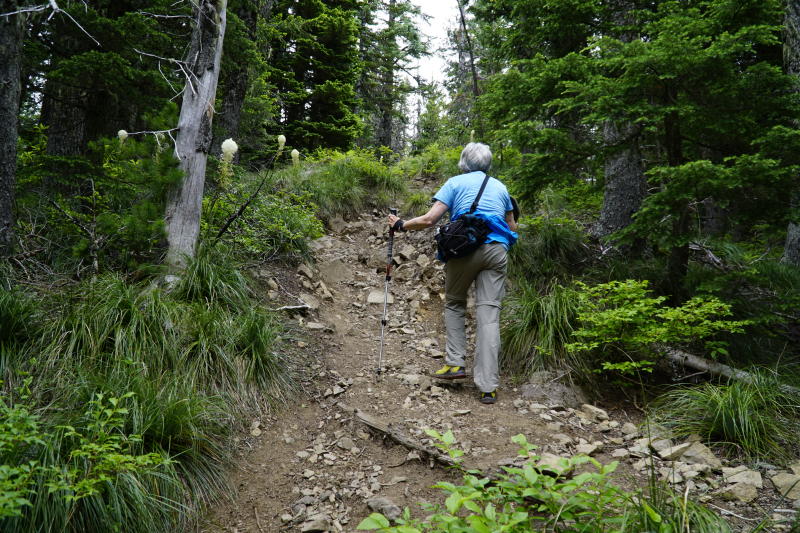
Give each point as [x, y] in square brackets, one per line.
[475, 156]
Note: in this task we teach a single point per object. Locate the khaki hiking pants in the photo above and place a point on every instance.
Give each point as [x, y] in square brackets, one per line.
[487, 268]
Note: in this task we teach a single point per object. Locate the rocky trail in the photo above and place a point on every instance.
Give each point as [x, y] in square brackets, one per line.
[317, 466]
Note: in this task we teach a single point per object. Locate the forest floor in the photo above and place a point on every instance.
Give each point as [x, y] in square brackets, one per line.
[315, 466]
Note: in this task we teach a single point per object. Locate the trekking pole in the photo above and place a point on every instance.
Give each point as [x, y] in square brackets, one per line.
[386, 291]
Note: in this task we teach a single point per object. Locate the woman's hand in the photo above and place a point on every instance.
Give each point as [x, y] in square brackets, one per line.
[392, 219]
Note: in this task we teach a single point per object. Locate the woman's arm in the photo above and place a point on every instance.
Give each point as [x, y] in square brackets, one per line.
[424, 221]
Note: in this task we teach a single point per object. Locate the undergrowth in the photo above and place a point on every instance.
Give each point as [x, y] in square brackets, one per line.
[757, 419]
[162, 378]
[576, 494]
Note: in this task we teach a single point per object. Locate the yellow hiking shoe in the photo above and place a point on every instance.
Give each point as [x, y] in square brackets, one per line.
[488, 397]
[450, 372]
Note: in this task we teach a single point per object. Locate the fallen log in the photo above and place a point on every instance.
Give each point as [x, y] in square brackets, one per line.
[714, 368]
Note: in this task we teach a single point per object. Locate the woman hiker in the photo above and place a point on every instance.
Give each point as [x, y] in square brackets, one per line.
[486, 267]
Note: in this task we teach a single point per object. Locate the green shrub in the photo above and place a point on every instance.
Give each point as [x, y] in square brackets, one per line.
[343, 184]
[434, 162]
[758, 418]
[106, 206]
[575, 495]
[620, 322]
[90, 476]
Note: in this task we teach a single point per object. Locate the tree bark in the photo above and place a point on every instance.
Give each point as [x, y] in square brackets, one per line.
[791, 59]
[473, 69]
[10, 58]
[193, 141]
[385, 136]
[238, 83]
[625, 185]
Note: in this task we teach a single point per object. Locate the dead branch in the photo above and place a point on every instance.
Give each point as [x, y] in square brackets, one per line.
[397, 435]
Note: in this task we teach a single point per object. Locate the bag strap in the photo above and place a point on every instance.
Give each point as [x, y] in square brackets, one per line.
[474, 205]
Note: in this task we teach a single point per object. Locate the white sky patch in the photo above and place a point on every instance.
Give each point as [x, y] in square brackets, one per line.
[443, 16]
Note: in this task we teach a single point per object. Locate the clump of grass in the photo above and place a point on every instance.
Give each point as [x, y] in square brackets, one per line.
[537, 328]
[417, 203]
[195, 361]
[549, 249]
[212, 278]
[756, 418]
[343, 184]
[114, 321]
[662, 509]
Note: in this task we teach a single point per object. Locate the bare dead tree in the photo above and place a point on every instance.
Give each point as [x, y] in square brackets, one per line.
[193, 141]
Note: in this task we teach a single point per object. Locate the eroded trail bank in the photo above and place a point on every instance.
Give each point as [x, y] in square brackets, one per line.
[317, 466]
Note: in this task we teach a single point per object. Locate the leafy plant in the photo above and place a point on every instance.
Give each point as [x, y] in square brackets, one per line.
[622, 319]
[574, 495]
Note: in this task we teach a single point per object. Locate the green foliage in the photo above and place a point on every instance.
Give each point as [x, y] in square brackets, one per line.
[108, 206]
[549, 249]
[74, 468]
[536, 328]
[623, 318]
[435, 161]
[417, 203]
[574, 495]
[194, 362]
[315, 76]
[342, 184]
[757, 417]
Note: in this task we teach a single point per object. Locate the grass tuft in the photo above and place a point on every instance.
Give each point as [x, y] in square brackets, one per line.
[756, 419]
[537, 328]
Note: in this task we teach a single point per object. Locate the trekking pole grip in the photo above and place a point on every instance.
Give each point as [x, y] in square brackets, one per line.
[390, 245]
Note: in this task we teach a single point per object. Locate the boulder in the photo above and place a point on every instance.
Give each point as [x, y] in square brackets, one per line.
[310, 301]
[787, 484]
[629, 429]
[376, 297]
[699, 453]
[305, 270]
[743, 492]
[385, 506]
[553, 394]
[593, 412]
[751, 477]
[674, 452]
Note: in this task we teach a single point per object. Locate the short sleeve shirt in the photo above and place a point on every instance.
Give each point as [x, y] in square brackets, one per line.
[460, 191]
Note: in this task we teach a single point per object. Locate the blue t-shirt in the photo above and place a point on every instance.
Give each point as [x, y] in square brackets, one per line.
[460, 191]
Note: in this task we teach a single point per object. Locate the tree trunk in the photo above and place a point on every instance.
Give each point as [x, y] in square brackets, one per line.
[385, 136]
[678, 261]
[625, 185]
[193, 141]
[10, 58]
[473, 69]
[791, 59]
[64, 114]
[238, 82]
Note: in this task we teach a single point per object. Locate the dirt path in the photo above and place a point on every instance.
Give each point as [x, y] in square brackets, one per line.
[315, 467]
